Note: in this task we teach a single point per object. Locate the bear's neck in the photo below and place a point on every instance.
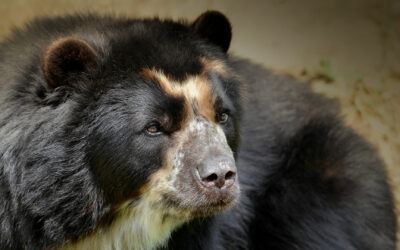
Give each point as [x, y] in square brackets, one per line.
[137, 227]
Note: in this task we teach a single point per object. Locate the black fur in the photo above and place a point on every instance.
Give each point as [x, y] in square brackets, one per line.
[68, 154]
[214, 26]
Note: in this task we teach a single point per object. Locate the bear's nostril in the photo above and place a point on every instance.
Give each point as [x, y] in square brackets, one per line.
[211, 178]
[230, 175]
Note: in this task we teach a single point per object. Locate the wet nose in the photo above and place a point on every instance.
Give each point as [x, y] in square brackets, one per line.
[217, 171]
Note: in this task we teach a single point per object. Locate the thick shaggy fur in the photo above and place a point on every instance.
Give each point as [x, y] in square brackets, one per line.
[75, 168]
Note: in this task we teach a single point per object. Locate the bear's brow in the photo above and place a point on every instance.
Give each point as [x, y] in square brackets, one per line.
[195, 90]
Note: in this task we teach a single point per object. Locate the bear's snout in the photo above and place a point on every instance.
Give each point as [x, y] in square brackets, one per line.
[216, 172]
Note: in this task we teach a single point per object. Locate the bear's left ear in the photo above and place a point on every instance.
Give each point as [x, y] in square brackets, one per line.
[65, 59]
[215, 27]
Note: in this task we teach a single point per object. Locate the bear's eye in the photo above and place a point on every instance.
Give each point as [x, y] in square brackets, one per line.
[223, 117]
[153, 129]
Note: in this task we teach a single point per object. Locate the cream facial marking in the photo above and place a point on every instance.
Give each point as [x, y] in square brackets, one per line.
[195, 89]
[201, 128]
[213, 65]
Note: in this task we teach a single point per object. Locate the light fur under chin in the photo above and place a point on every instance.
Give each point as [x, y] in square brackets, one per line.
[145, 223]
[142, 226]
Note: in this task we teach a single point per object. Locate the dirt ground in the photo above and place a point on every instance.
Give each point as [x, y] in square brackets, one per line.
[347, 49]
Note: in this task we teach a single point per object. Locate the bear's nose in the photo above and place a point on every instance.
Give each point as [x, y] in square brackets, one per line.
[217, 171]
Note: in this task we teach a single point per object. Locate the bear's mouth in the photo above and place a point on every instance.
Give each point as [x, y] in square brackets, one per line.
[206, 203]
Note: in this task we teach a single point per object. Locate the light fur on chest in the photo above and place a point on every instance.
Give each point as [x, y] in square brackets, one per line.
[144, 226]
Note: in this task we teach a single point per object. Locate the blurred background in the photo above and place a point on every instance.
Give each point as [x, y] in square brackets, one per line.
[348, 50]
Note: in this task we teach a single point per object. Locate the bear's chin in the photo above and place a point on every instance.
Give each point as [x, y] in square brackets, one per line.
[207, 204]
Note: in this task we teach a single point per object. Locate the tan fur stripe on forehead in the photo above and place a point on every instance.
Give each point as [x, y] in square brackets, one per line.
[214, 65]
[195, 89]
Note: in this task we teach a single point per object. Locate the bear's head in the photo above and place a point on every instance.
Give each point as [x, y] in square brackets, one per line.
[156, 112]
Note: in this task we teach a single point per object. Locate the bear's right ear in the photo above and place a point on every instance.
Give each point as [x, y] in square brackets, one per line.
[215, 27]
[65, 59]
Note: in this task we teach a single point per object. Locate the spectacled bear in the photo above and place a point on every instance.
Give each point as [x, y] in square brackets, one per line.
[119, 133]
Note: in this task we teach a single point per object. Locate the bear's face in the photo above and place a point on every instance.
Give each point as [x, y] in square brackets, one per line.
[157, 108]
[154, 135]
